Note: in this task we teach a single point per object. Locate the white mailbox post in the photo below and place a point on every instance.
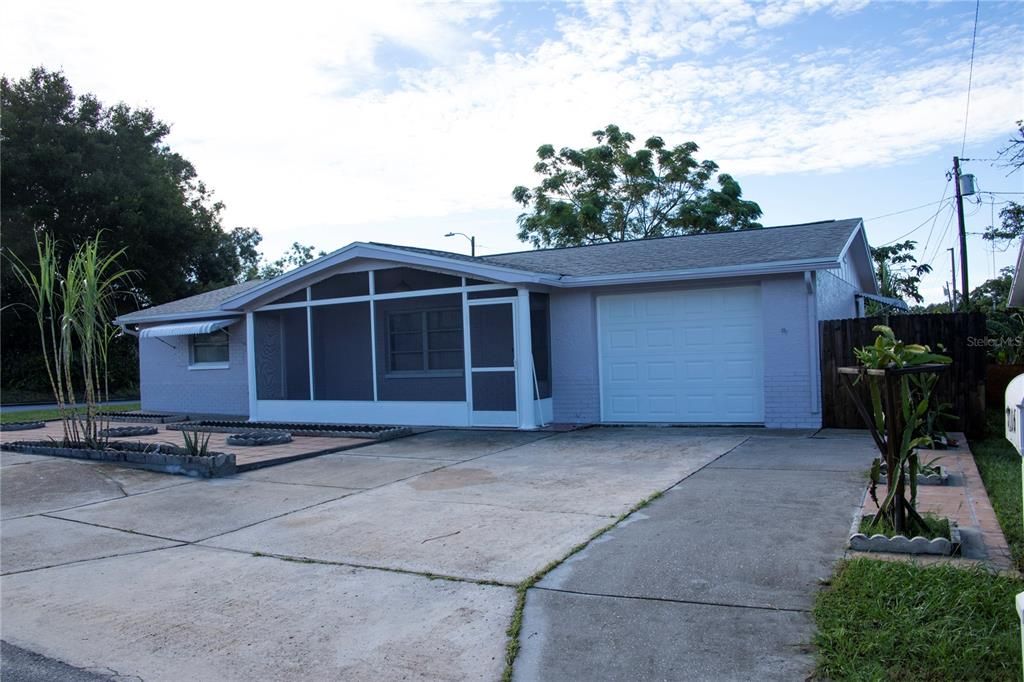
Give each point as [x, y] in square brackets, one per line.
[1014, 428]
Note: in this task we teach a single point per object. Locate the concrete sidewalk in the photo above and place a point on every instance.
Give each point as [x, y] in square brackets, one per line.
[713, 581]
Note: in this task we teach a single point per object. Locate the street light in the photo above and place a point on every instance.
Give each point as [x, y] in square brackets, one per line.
[472, 241]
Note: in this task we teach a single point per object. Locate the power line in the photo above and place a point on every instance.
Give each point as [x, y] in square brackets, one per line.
[908, 210]
[942, 239]
[970, 75]
[945, 188]
[931, 217]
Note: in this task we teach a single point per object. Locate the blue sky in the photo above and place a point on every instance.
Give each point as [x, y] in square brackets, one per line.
[399, 122]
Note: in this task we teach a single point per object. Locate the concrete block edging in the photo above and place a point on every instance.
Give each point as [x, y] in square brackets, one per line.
[213, 465]
[901, 544]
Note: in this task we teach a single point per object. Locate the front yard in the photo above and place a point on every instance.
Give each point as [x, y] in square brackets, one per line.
[908, 621]
[883, 620]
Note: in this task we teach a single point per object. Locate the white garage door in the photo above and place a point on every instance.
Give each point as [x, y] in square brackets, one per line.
[682, 356]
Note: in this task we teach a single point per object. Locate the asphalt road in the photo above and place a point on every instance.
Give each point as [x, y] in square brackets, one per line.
[22, 665]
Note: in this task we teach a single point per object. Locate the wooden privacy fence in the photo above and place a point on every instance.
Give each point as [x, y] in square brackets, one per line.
[963, 385]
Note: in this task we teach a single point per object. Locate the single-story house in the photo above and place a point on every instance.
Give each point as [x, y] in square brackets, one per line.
[703, 329]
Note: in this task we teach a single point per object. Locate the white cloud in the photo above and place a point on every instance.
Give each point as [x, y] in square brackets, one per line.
[288, 114]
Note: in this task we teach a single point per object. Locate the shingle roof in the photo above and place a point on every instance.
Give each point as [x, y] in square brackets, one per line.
[820, 241]
[810, 241]
[208, 301]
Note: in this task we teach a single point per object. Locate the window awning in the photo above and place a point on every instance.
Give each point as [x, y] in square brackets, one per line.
[185, 328]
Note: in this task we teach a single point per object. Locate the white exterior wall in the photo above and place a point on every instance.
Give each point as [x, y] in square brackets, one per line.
[792, 389]
[168, 385]
[791, 384]
[575, 389]
[835, 290]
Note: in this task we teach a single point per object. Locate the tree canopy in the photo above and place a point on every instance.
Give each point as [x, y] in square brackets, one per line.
[899, 274]
[1011, 216]
[609, 192]
[73, 167]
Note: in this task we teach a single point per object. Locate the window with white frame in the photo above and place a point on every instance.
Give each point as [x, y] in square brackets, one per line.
[425, 341]
[209, 350]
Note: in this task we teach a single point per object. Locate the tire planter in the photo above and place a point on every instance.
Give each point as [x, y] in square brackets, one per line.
[129, 431]
[940, 478]
[21, 426]
[374, 432]
[150, 417]
[259, 438]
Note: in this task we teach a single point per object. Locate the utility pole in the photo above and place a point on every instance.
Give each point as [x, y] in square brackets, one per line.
[952, 262]
[963, 230]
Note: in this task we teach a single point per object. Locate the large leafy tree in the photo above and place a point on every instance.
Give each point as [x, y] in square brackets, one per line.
[611, 192]
[73, 167]
[1011, 216]
[899, 274]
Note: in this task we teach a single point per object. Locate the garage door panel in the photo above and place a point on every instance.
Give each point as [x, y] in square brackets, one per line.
[660, 338]
[682, 356]
[661, 371]
[625, 371]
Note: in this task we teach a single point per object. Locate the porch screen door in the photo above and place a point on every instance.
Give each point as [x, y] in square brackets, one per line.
[492, 333]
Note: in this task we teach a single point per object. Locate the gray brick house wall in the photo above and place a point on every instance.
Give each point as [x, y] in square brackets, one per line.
[169, 385]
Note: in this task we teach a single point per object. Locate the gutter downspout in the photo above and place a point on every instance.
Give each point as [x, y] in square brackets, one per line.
[813, 342]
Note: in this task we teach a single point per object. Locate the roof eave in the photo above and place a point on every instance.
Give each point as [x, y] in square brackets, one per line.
[754, 270]
[135, 318]
[1016, 298]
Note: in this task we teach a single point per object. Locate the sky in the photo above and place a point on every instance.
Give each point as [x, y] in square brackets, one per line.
[328, 123]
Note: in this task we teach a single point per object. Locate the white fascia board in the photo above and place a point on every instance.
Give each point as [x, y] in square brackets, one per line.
[778, 268]
[129, 318]
[869, 261]
[400, 257]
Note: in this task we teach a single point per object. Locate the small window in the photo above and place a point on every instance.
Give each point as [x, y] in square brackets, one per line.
[425, 341]
[209, 350]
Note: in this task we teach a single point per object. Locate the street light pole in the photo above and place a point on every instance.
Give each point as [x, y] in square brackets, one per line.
[472, 241]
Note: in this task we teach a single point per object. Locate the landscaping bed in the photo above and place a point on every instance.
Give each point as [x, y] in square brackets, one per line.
[881, 620]
[296, 429]
[943, 538]
[161, 457]
[150, 417]
[22, 426]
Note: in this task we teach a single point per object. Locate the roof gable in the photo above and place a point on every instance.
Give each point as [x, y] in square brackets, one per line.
[793, 248]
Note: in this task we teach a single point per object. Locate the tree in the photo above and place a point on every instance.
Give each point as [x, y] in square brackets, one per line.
[298, 254]
[1003, 324]
[899, 274]
[1011, 225]
[73, 167]
[1012, 215]
[610, 193]
[1012, 154]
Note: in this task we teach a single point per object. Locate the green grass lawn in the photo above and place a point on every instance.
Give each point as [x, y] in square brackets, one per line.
[882, 620]
[42, 415]
[999, 465]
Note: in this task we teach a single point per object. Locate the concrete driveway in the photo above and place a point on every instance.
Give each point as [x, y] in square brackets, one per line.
[394, 561]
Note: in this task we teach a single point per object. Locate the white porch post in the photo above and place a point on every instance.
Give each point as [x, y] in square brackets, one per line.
[524, 363]
[250, 357]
